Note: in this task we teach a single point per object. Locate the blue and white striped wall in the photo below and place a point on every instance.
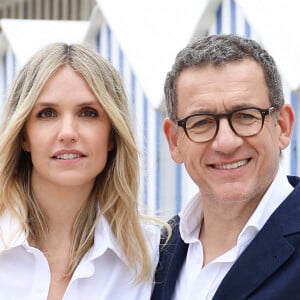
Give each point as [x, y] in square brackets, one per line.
[165, 186]
[8, 68]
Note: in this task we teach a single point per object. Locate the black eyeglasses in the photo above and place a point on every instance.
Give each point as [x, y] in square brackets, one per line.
[244, 122]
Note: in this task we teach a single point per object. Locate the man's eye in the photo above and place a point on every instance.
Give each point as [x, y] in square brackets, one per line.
[203, 122]
[246, 116]
[47, 113]
[89, 113]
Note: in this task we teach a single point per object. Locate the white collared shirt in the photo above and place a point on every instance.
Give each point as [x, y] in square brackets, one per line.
[199, 283]
[102, 274]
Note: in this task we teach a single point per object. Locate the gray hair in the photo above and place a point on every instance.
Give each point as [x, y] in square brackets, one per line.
[218, 50]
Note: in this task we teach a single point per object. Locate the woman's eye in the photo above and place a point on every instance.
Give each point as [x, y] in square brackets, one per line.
[47, 113]
[89, 113]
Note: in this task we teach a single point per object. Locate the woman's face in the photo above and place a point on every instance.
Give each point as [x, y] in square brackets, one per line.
[67, 133]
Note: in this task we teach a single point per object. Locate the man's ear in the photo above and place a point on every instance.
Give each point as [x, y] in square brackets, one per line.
[286, 122]
[172, 139]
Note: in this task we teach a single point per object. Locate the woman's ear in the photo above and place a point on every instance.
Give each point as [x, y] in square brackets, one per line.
[25, 143]
[172, 139]
[112, 141]
[111, 145]
[286, 122]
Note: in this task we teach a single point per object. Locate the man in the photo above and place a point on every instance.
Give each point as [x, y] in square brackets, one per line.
[239, 237]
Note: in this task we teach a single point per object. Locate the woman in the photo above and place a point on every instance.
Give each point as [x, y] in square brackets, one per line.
[69, 222]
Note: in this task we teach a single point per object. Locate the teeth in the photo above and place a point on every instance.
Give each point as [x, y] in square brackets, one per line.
[68, 156]
[232, 166]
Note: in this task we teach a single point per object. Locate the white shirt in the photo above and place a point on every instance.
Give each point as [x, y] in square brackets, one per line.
[200, 283]
[102, 273]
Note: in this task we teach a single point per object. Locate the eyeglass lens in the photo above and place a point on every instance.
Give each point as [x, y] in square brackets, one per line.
[244, 122]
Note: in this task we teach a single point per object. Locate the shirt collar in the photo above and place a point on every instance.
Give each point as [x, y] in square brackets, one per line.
[190, 220]
[275, 195]
[191, 216]
[12, 236]
[104, 239]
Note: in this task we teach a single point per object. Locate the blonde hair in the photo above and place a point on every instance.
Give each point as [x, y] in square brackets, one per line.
[116, 187]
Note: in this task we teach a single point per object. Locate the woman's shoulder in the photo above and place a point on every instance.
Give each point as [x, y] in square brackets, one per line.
[11, 231]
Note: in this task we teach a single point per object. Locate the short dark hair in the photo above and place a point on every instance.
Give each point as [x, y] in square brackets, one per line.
[218, 50]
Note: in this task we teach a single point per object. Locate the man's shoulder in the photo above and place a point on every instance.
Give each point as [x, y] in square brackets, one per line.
[172, 232]
[172, 256]
[174, 223]
[294, 180]
[171, 241]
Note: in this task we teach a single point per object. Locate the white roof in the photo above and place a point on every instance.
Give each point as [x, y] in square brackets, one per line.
[27, 36]
[152, 32]
[277, 22]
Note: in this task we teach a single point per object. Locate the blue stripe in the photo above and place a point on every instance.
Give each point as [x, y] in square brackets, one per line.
[98, 41]
[233, 16]
[4, 63]
[158, 131]
[132, 91]
[219, 20]
[121, 62]
[294, 156]
[145, 142]
[178, 170]
[109, 43]
[247, 29]
[14, 65]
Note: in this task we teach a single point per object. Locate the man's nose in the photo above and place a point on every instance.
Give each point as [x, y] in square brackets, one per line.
[226, 140]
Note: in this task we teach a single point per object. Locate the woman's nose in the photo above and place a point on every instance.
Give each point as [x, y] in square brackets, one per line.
[68, 130]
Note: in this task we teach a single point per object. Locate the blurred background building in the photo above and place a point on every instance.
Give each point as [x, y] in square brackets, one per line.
[141, 39]
[46, 9]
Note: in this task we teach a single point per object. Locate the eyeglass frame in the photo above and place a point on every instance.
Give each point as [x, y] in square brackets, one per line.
[228, 116]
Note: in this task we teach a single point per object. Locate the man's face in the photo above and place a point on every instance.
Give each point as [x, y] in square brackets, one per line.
[228, 167]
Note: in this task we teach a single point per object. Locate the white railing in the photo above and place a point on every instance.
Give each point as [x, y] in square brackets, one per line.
[46, 9]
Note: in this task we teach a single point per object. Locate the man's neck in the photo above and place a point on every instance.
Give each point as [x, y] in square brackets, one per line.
[221, 226]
